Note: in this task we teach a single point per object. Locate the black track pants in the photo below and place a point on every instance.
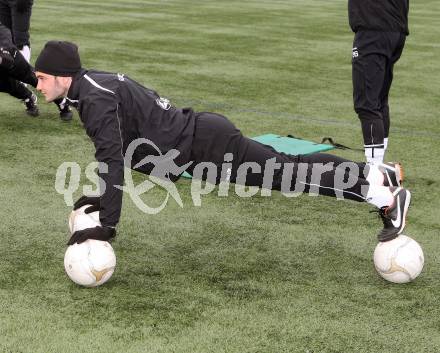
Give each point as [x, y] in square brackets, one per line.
[221, 153]
[17, 22]
[14, 88]
[373, 59]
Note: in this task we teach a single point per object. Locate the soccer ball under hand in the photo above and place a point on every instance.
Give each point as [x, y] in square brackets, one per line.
[399, 260]
[78, 220]
[90, 263]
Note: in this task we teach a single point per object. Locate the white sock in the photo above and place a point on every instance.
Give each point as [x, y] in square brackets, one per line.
[374, 155]
[380, 196]
[385, 143]
[375, 176]
[26, 52]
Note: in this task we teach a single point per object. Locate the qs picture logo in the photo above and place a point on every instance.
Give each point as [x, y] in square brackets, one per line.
[162, 170]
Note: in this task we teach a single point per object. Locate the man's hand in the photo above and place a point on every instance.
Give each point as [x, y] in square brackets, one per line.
[23, 5]
[6, 59]
[88, 200]
[98, 233]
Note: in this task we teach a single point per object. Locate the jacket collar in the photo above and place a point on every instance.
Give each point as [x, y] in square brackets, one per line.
[73, 93]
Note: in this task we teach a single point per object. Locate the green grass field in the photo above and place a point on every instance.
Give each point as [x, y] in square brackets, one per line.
[265, 274]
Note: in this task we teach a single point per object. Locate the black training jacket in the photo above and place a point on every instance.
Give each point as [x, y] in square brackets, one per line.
[116, 110]
[379, 15]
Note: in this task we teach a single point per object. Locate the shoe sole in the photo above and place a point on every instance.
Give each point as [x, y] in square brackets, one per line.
[405, 211]
[399, 173]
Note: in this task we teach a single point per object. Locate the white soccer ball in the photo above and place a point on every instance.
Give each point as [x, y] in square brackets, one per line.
[78, 220]
[399, 260]
[90, 263]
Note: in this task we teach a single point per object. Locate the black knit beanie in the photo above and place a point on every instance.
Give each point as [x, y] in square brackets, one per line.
[59, 58]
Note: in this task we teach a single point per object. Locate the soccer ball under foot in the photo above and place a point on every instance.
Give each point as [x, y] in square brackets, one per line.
[399, 260]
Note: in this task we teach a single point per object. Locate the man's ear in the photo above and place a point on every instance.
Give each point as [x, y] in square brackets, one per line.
[65, 81]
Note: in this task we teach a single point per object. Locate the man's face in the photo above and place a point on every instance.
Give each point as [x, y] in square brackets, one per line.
[53, 87]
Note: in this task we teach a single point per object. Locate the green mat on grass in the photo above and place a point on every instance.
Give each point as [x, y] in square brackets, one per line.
[288, 145]
[292, 145]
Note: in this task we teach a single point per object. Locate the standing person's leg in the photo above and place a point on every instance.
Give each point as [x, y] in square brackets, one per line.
[397, 41]
[368, 72]
[5, 13]
[21, 19]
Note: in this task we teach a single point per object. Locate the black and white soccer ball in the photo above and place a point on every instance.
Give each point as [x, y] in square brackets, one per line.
[92, 262]
[399, 260]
